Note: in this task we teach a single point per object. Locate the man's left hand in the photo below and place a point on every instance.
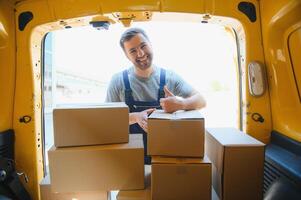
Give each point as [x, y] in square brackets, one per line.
[170, 103]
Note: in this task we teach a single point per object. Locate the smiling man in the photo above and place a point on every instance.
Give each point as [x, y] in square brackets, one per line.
[145, 86]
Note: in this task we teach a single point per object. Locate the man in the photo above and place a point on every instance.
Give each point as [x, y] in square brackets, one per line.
[145, 87]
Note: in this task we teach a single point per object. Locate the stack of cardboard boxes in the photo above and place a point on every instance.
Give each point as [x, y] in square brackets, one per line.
[179, 169]
[93, 153]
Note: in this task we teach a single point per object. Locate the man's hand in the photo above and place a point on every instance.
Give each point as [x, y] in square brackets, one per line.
[170, 103]
[141, 118]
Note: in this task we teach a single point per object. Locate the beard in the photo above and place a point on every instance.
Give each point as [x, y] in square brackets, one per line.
[144, 64]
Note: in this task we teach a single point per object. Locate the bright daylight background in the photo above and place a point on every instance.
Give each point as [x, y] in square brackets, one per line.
[80, 62]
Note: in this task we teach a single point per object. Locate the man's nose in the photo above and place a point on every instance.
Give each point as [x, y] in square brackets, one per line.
[140, 52]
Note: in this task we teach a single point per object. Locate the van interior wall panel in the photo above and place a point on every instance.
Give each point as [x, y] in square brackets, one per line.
[279, 20]
[281, 23]
[282, 167]
[46, 17]
[7, 64]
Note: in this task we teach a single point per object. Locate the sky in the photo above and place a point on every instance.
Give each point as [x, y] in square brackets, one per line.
[196, 51]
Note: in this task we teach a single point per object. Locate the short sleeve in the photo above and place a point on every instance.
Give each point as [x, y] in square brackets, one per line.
[179, 86]
[115, 89]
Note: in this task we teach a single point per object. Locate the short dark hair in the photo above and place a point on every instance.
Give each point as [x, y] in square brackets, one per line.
[129, 33]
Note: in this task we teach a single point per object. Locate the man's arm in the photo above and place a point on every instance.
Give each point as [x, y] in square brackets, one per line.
[114, 95]
[140, 118]
[171, 103]
[133, 118]
[196, 101]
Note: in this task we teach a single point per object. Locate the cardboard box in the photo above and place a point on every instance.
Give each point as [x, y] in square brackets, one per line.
[91, 125]
[46, 194]
[174, 178]
[237, 161]
[146, 193]
[101, 167]
[180, 134]
[138, 194]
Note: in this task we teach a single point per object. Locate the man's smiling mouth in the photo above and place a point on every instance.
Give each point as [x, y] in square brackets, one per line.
[143, 60]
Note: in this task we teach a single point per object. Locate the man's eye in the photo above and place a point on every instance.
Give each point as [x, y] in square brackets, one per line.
[142, 46]
[132, 51]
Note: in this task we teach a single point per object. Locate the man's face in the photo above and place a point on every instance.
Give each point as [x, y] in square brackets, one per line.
[139, 52]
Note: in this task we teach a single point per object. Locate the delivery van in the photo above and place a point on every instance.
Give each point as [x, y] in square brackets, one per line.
[260, 154]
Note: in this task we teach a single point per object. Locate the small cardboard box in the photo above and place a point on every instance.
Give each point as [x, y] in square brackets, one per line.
[175, 178]
[180, 134]
[91, 125]
[138, 194]
[46, 194]
[101, 167]
[237, 163]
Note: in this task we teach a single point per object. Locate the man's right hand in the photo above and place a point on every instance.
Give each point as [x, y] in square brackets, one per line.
[141, 118]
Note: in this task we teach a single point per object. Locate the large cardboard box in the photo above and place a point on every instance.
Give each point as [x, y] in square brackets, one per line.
[138, 194]
[178, 134]
[237, 163]
[103, 124]
[46, 194]
[181, 178]
[101, 167]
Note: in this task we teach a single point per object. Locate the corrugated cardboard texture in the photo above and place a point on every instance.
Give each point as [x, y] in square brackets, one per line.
[180, 134]
[238, 163]
[101, 167]
[215, 152]
[179, 160]
[138, 194]
[91, 125]
[181, 180]
[233, 137]
[46, 194]
[243, 168]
